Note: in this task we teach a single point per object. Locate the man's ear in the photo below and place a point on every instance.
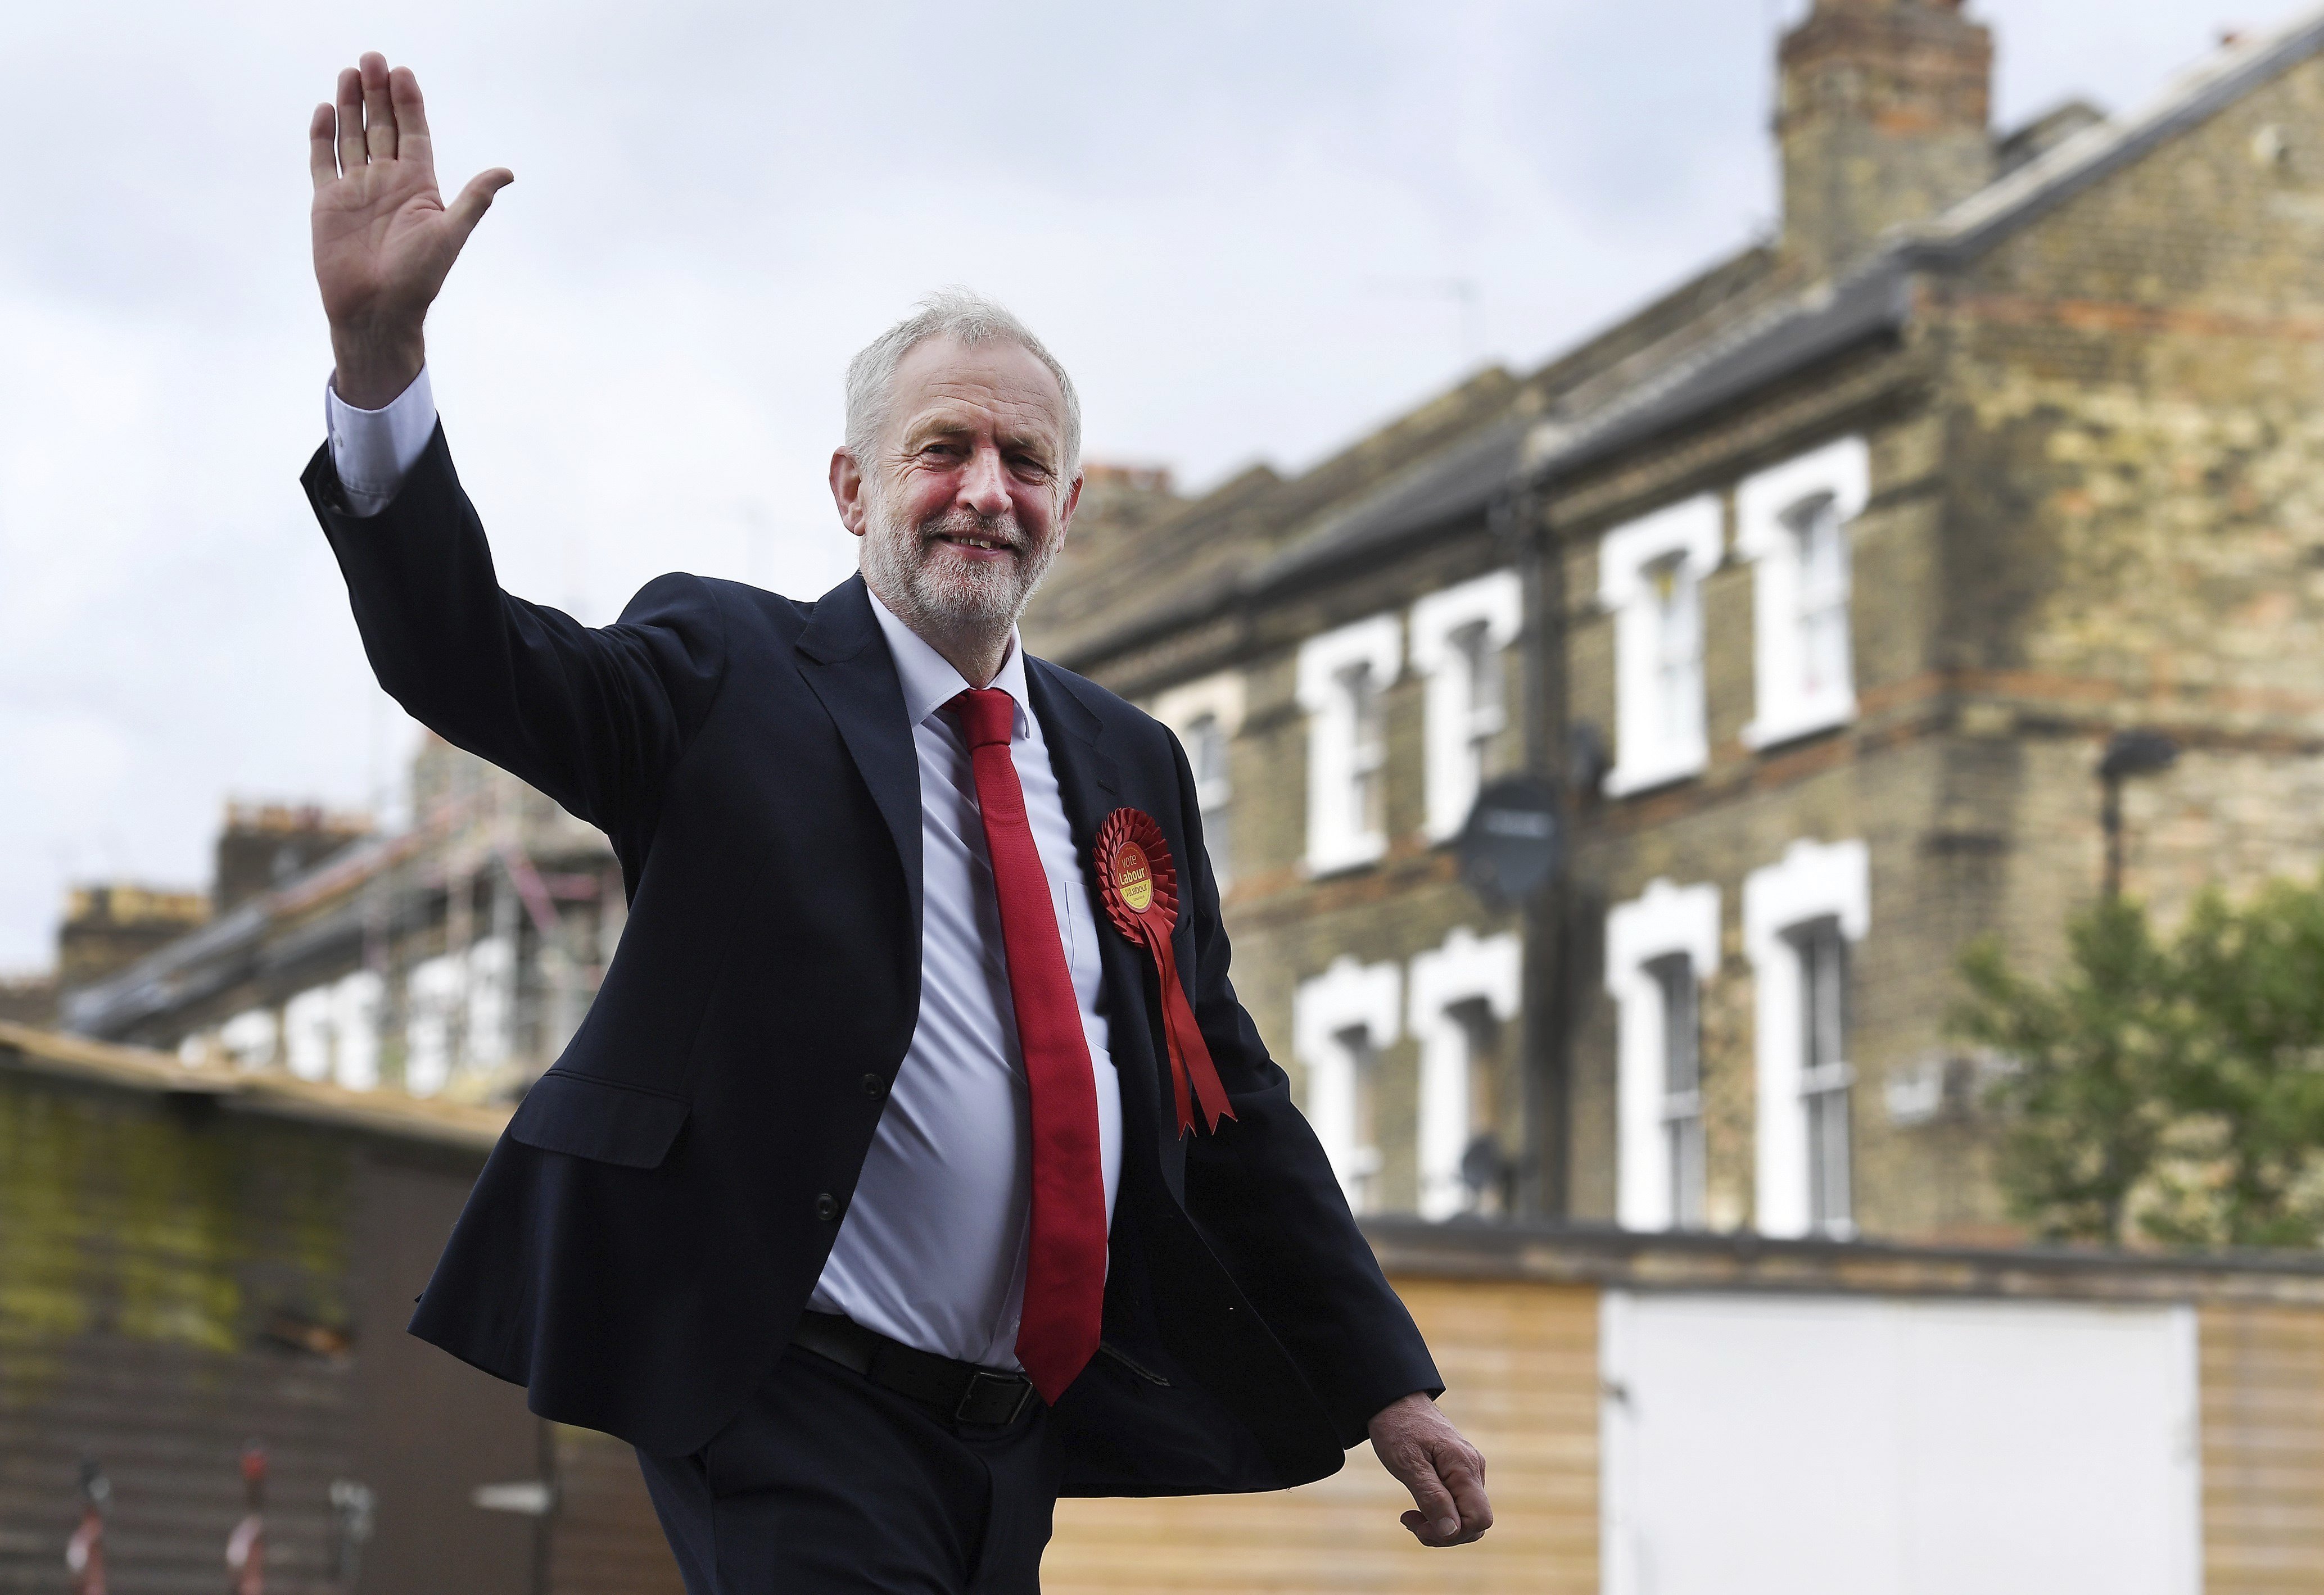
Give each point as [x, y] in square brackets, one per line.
[1066, 510]
[847, 492]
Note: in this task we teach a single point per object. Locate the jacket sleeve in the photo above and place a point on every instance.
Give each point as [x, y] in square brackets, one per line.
[593, 717]
[1264, 1195]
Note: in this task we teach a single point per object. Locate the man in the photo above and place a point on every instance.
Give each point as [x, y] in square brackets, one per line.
[915, 1162]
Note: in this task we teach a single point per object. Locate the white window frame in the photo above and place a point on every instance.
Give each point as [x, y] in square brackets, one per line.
[357, 1004]
[1663, 921]
[1814, 880]
[490, 1030]
[307, 1034]
[1466, 968]
[1347, 998]
[1649, 750]
[434, 993]
[1221, 700]
[1340, 834]
[1767, 533]
[252, 1038]
[1461, 721]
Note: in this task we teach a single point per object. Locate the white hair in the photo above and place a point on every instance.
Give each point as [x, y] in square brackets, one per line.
[965, 318]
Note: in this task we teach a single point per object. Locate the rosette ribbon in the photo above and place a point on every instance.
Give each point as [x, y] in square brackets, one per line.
[1140, 888]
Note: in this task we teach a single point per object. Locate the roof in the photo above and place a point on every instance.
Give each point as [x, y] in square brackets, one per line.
[1732, 331]
[25, 1050]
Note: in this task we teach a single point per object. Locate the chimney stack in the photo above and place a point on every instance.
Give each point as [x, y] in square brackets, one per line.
[1882, 118]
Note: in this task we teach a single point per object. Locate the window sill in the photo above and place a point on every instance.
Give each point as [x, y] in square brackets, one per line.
[1629, 781]
[1773, 731]
[1347, 862]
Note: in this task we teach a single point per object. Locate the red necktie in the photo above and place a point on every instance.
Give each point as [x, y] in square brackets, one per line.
[1064, 1268]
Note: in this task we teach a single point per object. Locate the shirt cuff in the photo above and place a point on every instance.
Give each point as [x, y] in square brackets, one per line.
[374, 450]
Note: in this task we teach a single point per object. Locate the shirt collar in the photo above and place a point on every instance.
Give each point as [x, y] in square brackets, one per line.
[929, 679]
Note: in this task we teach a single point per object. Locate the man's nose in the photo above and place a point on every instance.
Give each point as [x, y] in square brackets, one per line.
[984, 488]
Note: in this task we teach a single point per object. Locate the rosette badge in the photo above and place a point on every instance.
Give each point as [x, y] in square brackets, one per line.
[1141, 885]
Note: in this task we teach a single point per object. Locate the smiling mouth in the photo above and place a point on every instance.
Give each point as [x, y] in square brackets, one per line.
[960, 541]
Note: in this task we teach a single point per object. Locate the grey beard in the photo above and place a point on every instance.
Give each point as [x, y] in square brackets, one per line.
[960, 600]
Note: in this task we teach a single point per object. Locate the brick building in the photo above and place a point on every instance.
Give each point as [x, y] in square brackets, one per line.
[1815, 589]
[455, 957]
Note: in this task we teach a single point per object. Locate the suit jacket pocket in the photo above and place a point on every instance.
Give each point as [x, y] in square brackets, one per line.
[597, 1118]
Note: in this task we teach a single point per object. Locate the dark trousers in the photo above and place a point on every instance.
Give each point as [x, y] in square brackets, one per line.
[826, 1482]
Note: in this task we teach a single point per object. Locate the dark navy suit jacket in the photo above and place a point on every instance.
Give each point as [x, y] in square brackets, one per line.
[643, 1239]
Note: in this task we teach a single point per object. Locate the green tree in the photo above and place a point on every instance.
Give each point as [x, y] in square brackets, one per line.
[2253, 978]
[2092, 1060]
[2174, 1088]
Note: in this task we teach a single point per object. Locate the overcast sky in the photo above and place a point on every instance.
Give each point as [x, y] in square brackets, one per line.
[1240, 225]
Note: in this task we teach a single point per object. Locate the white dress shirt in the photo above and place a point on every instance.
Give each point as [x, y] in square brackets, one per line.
[932, 1249]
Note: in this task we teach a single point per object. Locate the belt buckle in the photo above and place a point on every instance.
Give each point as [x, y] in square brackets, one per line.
[980, 1381]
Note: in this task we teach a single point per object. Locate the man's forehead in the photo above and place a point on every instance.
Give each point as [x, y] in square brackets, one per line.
[945, 384]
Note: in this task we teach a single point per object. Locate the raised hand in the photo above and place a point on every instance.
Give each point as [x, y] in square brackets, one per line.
[384, 239]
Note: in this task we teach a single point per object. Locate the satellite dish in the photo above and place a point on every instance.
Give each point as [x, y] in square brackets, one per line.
[1510, 846]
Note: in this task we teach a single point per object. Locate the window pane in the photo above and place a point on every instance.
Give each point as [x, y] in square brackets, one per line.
[1206, 749]
[1678, 648]
[1368, 708]
[1364, 1158]
[1823, 596]
[1681, 1024]
[1682, 1111]
[1824, 1033]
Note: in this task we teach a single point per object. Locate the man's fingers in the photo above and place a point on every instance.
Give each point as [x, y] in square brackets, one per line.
[411, 140]
[379, 114]
[322, 155]
[1438, 1515]
[1466, 1480]
[477, 198]
[352, 152]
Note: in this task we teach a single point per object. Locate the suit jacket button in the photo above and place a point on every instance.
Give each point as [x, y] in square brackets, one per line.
[826, 1206]
[874, 1087]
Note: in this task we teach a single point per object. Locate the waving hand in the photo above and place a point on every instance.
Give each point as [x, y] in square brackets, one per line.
[384, 239]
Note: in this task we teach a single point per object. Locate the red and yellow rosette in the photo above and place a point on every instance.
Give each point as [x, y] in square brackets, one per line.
[1140, 887]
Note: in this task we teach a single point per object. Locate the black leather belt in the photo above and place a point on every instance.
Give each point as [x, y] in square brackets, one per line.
[967, 1393]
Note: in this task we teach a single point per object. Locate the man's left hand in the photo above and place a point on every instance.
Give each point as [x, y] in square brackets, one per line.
[1445, 1473]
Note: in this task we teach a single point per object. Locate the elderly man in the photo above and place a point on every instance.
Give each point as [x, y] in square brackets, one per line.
[915, 1163]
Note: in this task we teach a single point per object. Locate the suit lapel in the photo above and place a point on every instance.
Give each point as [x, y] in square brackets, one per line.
[1090, 786]
[849, 669]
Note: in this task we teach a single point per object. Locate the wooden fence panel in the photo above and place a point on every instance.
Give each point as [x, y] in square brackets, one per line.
[1520, 1363]
[2262, 1404]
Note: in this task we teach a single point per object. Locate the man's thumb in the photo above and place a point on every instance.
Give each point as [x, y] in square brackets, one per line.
[477, 198]
[1434, 1501]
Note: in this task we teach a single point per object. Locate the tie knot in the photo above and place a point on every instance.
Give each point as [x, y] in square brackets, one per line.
[987, 715]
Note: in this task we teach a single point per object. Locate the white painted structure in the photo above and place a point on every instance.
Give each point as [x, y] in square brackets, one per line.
[1341, 1022]
[492, 1002]
[433, 995]
[1814, 881]
[1666, 920]
[1342, 679]
[1207, 716]
[1849, 1445]
[1650, 575]
[1458, 639]
[356, 999]
[1791, 522]
[1453, 987]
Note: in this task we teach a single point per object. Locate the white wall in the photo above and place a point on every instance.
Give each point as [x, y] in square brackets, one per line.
[1825, 1445]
